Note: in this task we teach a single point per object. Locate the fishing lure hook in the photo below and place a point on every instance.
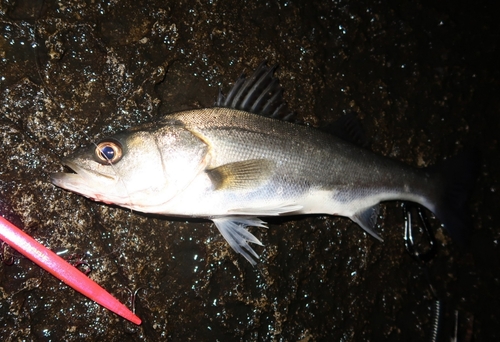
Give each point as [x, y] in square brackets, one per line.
[422, 256]
[417, 253]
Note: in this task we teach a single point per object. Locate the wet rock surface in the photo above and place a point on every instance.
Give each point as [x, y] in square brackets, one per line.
[422, 78]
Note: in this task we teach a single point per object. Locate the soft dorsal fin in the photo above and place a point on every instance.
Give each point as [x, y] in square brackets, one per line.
[259, 94]
[348, 128]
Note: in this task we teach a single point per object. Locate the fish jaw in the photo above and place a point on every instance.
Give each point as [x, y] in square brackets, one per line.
[83, 181]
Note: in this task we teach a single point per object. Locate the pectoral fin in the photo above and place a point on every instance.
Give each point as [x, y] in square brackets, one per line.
[234, 231]
[241, 175]
[367, 219]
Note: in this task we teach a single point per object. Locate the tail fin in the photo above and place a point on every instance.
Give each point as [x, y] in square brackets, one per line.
[458, 175]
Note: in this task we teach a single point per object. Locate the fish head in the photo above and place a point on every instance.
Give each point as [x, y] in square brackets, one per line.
[141, 169]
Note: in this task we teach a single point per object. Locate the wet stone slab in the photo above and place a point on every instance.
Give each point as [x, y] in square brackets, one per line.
[422, 78]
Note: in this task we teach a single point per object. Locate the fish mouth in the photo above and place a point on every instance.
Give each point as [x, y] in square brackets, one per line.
[70, 172]
[68, 169]
[86, 182]
[76, 178]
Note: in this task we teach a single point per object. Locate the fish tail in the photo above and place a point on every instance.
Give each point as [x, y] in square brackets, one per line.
[457, 175]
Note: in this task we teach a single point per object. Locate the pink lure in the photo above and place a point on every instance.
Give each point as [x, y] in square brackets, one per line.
[54, 264]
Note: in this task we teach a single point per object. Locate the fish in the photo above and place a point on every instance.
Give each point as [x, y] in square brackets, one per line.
[246, 158]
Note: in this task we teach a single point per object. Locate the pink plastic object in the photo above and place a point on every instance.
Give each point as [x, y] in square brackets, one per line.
[54, 264]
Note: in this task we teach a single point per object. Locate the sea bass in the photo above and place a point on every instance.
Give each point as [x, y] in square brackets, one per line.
[243, 159]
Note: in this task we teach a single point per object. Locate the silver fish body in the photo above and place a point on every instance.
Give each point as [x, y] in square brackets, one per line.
[256, 166]
[232, 166]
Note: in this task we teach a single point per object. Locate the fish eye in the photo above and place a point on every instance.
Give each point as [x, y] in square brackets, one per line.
[108, 152]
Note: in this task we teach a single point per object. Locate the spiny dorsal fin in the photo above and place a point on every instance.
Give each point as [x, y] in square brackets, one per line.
[241, 175]
[260, 94]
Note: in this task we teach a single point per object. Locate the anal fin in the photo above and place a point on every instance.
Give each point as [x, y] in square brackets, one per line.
[367, 219]
[233, 228]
